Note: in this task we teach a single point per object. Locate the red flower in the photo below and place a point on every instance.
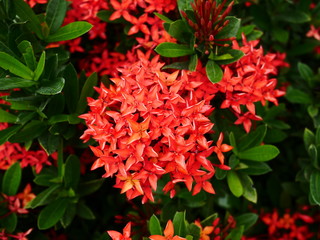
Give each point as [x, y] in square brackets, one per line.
[168, 233]
[124, 236]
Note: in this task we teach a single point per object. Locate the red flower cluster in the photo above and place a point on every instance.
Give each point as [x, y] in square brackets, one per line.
[19, 236]
[295, 226]
[152, 123]
[13, 152]
[250, 80]
[32, 3]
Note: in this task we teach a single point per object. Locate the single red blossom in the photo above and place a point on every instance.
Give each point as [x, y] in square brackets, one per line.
[32, 3]
[121, 236]
[168, 233]
[314, 32]
[21, 236]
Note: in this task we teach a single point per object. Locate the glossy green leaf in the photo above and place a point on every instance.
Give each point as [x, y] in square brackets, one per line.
[184, 5]
[168, 49]
[247, 220]
[231, 29]
[87, 91]
[308, 138]
[295, 16]
[84, 211]
[43, 180]
[40, 66]
[27, 15]
[26, 50]
[177, 65]
[52, 213]
[253, 139]
[247, 29]
[154, 226]
[180, 31]
[68, 215]
[11, 179]
[70, 31]
[49, 142]
[234, 183]
[55, 13]
[44, 197]
[249, 192]
[164, 18]
[214, 71]
[260, 153]
[179, 223]
[8, 132]
[9, 223]
[233, 54]
[195, 230]
[298, 96]
[233, 143]
[255, 168]
[30, 131]
[52, 87]
[13, 82]
[71, 87]
[8, 62]
[236, 233]
[305, 72]
[315, 186]
[193, 63]
[87, 188]
[7, 117]
[72, 172]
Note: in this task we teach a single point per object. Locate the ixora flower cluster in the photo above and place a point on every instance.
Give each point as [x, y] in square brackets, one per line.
[150, 122]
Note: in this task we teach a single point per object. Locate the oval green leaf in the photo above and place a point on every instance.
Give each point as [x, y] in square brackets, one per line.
[13, 82]
[70, 31]
[214, 71]
[154, 226]
[168, 49]
[11, 179]
[11, 64]
[52, 213]
[315, 186]
[234, 183]
[260, 153]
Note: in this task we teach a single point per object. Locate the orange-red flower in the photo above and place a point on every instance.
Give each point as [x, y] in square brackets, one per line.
[121, 236]
[168, 233]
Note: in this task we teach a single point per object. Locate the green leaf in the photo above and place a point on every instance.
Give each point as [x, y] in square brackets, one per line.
[9, 223]
[72, 172]
[26, 50]
[180, 31]
[195, 230]
[233, 143]
[315, 186]
[308, 138]
[255, 168]
[214, 71]
[84, 211]
[231, 29]
[317, 136]
[179, 223]
[52, 87]
[245, 30]
[247, 220]
[40, 66]
[177, 65]
[8, 132]
[225, 56]
[44, 180]
[30, 131]
[13, 82]
[52, 213]
[249, 192]
[234, 183]
[305, 72]
[253, 139]
[27, 15]
[184, 5]
[280, 34]
[55, 13]
[68, 215]
[193, 63]
[260, 153]
[44, 197]
[295, 16]
[7, 117]
[89, 187]
[87, 91]
[154, 226]
[70, 31]
[14, 66]
[235, 233]
[208, 220]
[164, 18]
[168, 49]
[49, 142]
[234, 54]
[11, 179]
[71, 87]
